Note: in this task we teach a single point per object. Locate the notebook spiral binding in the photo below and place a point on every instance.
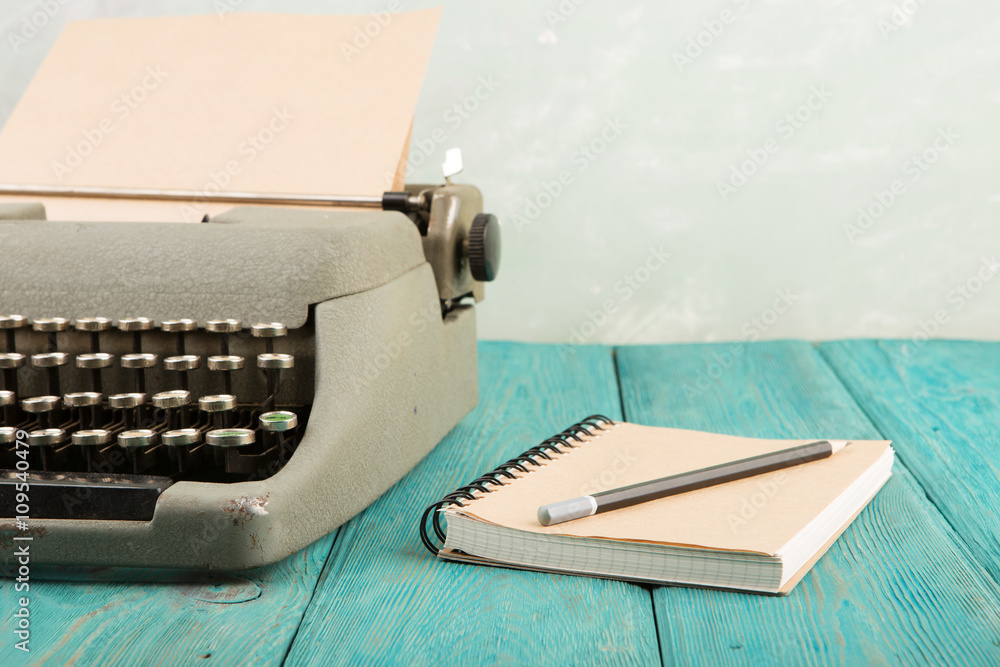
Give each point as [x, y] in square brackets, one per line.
[432, 514]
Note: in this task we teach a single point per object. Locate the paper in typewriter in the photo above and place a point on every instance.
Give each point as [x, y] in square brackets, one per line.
[759, 514]
[263, 103]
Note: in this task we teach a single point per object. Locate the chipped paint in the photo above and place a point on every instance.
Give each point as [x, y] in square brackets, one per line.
[245, 508]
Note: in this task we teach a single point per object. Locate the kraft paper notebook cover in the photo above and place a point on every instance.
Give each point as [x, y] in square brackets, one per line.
[168, 103]
[757, 534]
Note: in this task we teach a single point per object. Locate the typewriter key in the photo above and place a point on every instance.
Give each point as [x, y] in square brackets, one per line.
[173, 402]
[227, 364]
[130, 405]
[38, 405]
[9, 323]
[11, 360]
[231, 437]
[8, 435]
[139, 362]
[82, 399]
[94, 326]
[94, 362]
[135, 326]
[182, 363]
[46, 436]
[180, 437]
[51, 361]
[172, 399]
[126, 401]
[269, 331]
[43, 407]
[224, 327]
[142, 437]
[278, 421]
[90, 437]
[50, 326]
[219, 406]
[7, 398]
[180, 327]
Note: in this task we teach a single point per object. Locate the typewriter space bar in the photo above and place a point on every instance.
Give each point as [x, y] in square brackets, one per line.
[75, 495]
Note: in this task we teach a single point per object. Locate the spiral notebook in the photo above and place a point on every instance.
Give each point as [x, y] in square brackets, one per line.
[759, 534]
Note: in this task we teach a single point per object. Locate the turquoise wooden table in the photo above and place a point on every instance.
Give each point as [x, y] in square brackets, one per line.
[913, 581]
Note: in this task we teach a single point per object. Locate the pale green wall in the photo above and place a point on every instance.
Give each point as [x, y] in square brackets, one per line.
[682, 128]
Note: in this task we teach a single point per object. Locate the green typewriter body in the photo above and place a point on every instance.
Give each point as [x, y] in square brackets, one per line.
[220, 395]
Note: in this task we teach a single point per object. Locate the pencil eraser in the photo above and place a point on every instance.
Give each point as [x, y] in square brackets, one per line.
[566, 510]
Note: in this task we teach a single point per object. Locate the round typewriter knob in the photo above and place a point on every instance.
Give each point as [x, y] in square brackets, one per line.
[50, 324]
[140, 437]
[124, 401]
[139, 360]
[179, 326]
[12, 321]
[269, 330]
[82, 399]
[92, 324]
[8, 434]
[96, 436]
[231, 437]
[182, 362]
[224, 326]
[278, 421]
[135, 324]
[7, 398]
[273, 360]
[39, 404]
[11, 360]
[46, 436]
[217, 403]
[180, 437]
[225, 363]
[483, 247]
[172, 399]
[49, 359]
[95, 360]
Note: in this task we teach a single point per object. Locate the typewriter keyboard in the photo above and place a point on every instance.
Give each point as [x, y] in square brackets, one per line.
[180, 399]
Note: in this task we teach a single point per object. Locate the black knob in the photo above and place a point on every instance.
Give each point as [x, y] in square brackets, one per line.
[484, 247]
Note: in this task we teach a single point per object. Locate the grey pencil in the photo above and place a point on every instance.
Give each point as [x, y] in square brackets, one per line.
[626, 496]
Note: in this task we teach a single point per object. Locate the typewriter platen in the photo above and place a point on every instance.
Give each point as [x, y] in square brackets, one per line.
[220, 395]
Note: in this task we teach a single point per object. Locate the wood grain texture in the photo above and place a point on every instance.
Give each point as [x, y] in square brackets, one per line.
[114, 616]
[383, 599]
[898, 587]
[940, 402]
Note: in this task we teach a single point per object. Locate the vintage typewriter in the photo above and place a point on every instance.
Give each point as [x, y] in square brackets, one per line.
[220, 395]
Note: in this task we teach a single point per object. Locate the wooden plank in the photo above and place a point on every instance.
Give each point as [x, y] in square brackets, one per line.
[383, 599]
[897, 588]
[117, 616]
[940, 402]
